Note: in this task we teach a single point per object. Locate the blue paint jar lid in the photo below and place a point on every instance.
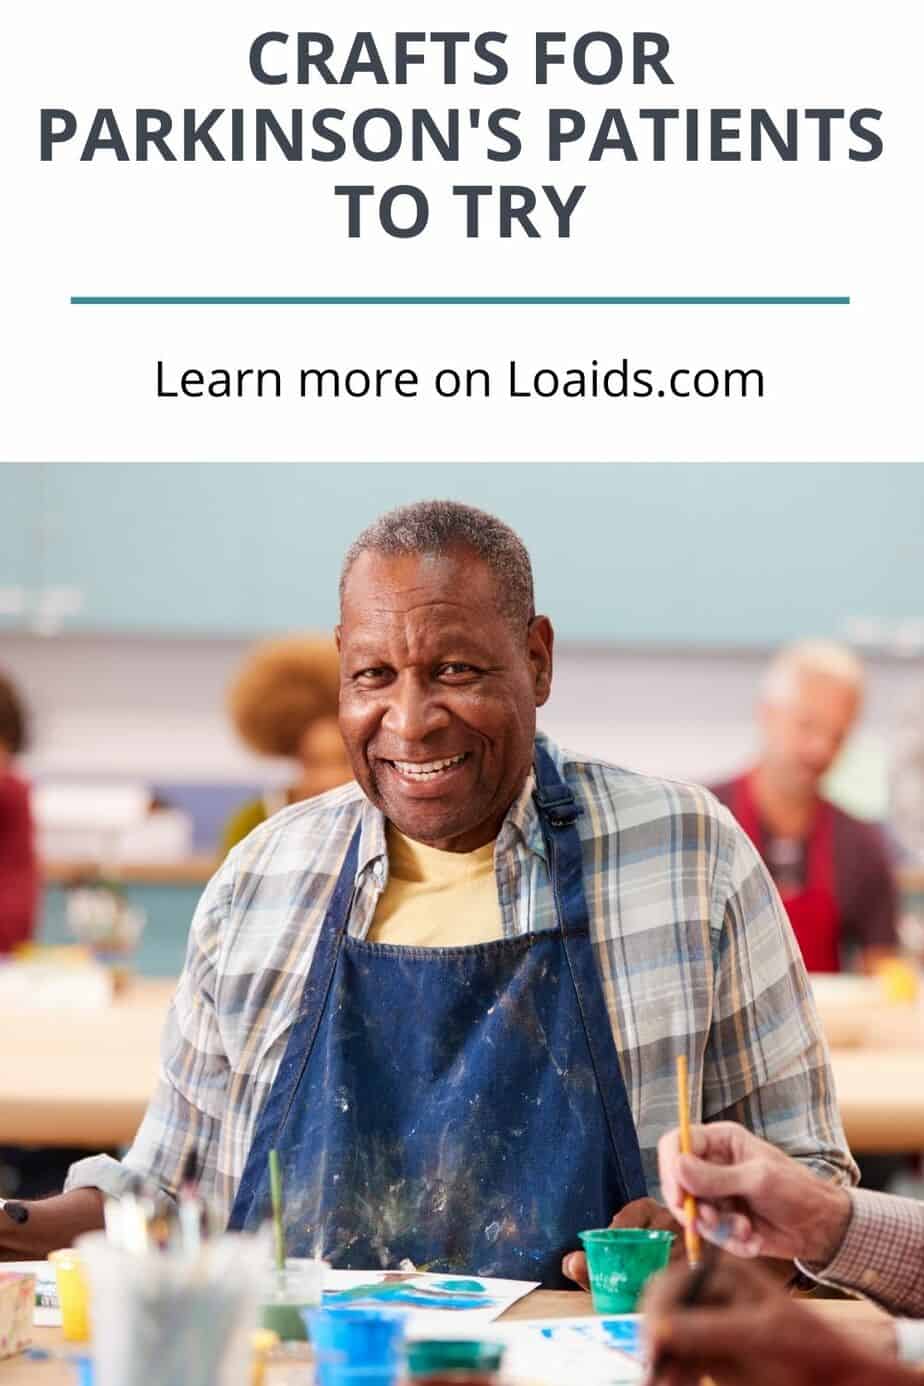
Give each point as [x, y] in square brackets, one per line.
[447, 1354]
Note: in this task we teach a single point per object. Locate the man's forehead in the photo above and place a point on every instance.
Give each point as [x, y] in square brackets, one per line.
[813, 686]
[424, 624]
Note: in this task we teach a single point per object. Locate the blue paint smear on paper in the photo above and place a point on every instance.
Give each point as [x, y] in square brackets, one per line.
[467, 1287]
[412, 1296]
[624, 1335]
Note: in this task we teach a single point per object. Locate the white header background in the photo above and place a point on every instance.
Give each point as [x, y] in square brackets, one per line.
[842, 383]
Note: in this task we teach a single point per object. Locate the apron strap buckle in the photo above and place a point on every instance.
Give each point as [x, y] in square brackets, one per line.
[554, 799]
[562, 816]
[560, 809]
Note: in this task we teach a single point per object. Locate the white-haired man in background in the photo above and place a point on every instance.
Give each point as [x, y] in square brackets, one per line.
[831, 869]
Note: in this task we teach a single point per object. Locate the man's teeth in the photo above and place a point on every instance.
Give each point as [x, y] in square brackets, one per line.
[425, 769]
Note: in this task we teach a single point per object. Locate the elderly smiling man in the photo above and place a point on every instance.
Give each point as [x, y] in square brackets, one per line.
[451, 994]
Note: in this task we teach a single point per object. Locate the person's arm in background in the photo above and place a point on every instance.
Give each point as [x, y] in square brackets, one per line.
[19, 871]
[184, 1114]
[766, 1062]
[869, 893]
[753, 1200]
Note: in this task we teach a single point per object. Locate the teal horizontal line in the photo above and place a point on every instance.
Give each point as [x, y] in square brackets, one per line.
[421, 300]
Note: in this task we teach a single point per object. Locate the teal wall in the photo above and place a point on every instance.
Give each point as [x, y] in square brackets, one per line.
[168, 910]
[671, 554]
[21, 508]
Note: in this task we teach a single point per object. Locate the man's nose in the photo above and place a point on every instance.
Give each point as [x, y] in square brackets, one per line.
[414, 711]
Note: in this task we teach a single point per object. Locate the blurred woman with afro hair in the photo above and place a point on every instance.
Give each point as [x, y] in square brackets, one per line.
[283, 702]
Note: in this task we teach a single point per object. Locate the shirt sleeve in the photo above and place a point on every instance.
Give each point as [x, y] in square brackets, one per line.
[185, 1112]
[766, 1060]
[882, 1254]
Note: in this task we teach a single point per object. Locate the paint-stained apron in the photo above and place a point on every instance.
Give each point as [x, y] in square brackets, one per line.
[461, 1108]
[813, 910]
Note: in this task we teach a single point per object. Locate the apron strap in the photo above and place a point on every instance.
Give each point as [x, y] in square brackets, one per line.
[559, 812]
[303, 1034]
[554, 799]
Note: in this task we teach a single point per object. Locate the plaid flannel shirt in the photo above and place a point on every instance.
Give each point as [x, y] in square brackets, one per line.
[695, 952]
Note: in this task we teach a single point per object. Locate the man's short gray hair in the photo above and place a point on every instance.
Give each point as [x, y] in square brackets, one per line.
[781, 678]
[439, 526]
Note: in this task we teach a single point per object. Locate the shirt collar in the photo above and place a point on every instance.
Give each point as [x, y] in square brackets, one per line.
[372, 847]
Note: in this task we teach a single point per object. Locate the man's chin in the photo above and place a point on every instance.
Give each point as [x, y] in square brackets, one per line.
[420, 823]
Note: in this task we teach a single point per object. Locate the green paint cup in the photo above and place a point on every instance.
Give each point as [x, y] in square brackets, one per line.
[621, 1260]
[287, 1293]
[433, 1356]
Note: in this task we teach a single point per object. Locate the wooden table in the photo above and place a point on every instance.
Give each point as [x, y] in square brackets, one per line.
[854, 1015]
[877, 1053]
[81, 1077]
[858, 1316]
[881, 1097]
[84, 1078]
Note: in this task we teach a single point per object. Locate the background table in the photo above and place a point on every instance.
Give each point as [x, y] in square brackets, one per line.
[84, 1078]
[81, 1077]
[861, 1318]
[877, 1053]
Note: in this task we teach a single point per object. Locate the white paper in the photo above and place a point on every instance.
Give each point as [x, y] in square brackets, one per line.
[435, 1304]
[595, 1351]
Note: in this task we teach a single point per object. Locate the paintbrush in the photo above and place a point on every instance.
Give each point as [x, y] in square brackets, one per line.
[700, 1266]
[279, 1235]
[690, 1233]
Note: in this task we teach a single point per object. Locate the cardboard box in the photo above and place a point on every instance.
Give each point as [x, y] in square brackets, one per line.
[17, 1301]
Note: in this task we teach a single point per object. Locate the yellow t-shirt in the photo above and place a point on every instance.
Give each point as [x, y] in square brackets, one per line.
[436, 899]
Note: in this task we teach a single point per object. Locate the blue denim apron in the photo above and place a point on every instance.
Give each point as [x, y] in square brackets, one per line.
[462, 1108]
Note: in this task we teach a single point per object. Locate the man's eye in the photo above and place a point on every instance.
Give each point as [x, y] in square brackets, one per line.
[457, 670]
[373, 675]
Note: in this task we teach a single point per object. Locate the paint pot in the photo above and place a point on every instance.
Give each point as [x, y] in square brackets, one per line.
[84, 1369]
[73, 1295]
[357, 1347]
[287, 1294]
[433, 1362]
[620, 1262]
[262, 1343]
[463, 1376]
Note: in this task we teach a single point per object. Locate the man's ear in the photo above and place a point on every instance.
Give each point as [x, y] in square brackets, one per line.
[540, 643]
[337, 630]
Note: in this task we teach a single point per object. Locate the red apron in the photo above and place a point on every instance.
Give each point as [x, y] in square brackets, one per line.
[813, 911]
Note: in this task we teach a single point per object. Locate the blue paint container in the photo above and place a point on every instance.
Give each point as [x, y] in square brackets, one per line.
[356, 1347]
[84, 1366]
